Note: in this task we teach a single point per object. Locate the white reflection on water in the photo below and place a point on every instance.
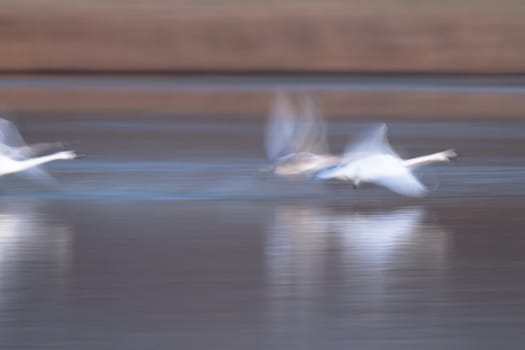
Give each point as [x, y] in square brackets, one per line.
[315, 255]
[34, 251]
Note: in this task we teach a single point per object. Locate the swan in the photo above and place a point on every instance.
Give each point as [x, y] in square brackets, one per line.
[15, 154]
[373, 160]
[296, 142]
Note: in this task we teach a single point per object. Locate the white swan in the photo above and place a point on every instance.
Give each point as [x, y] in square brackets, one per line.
[15, 153]
[296, 142]
[373, 160]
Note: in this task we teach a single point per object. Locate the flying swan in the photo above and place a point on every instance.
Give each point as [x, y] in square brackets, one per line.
[373, 160]
[16, 156]
[296, 141]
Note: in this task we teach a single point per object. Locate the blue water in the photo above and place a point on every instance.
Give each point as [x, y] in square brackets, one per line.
[180, 161]
[166, 236]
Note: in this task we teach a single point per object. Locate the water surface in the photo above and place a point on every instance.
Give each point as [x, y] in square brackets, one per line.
[166, 235]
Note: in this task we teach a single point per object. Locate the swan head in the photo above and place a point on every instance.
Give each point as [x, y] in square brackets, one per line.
[67, 155]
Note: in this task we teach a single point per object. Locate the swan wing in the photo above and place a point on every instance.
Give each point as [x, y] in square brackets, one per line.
[280, 128]
[373, 142]
[311, 133]
[402, 182]
[10, 138]
[13, 145]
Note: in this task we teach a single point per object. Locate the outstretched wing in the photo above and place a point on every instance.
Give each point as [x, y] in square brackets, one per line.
[12, 145]
[280, 128]
[402, 182]
[374, 142]
[10, 138]
[289, 132]
[311, 131]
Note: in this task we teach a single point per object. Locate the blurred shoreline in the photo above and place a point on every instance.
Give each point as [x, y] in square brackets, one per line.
[377, 36]
[249, 96]
[364, 60]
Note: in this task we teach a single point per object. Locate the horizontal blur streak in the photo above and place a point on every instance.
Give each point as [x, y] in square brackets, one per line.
[185, 160]
[475, 36]
[166, 234]
[249, 96]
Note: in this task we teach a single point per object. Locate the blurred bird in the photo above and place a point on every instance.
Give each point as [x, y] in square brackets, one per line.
[296, 142]
[373, 160]
[16, 156]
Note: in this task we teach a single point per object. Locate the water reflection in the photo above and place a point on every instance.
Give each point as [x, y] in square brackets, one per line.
[318, 257]
[34, 263]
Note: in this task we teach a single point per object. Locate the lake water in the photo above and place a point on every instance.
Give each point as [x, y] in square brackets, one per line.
[167, 236]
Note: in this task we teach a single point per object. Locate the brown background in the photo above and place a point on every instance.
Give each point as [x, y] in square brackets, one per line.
[232, 36]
